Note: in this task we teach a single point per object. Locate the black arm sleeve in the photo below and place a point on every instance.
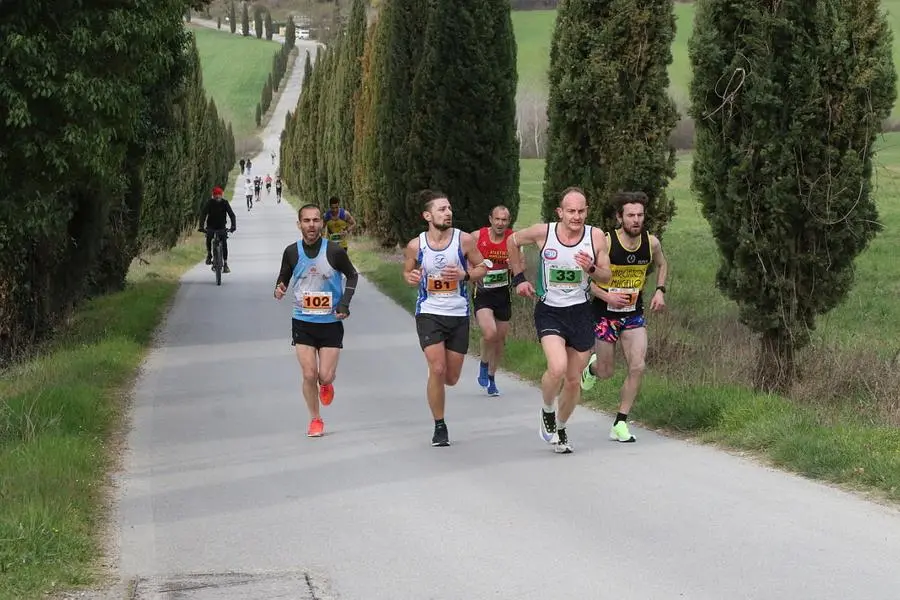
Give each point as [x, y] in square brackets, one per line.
[230, 214]
[204, 211]
[340, 260]
[288, 262]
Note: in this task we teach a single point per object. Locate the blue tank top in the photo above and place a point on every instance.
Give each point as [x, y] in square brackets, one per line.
[318, 287]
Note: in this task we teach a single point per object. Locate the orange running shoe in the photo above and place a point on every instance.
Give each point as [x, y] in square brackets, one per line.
[316, 428]
[326, 394]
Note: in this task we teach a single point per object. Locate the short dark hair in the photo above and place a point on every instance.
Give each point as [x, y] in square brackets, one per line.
[620, 199]
[568, 190]
[427, 197]
[306, 207]
[334, 200]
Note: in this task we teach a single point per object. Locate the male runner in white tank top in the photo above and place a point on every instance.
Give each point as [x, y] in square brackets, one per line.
[572, 255]
[440, 262]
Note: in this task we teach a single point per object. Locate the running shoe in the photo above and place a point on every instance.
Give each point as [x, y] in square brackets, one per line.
[588, 379]
[483, 378]
[316, 428]
[492, 387]
[562, 445]
[619, 433]
[440, 437]
[326, 394]
[548, 426]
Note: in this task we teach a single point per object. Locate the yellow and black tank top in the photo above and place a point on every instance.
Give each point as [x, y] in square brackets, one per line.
[629, 274]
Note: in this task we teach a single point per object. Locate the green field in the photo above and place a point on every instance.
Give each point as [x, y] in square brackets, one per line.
[235, 68]
[534, 30]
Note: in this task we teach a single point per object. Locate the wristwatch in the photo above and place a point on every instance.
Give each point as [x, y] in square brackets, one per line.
[487, 263]
[661, 288]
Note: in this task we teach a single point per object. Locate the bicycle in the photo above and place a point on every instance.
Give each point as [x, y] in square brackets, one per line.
[218, 251]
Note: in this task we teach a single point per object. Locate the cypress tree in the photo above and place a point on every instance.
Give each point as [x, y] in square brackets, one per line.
[218, 22]
[268, 23]
[787, 102]
[325, 104]
[258, 115]
[245, 19]
[463, 135]
[290, 34]
[349, 82]
[609, 109]
[364, 160]
[399, 42]
[232, 17]
[258, 23]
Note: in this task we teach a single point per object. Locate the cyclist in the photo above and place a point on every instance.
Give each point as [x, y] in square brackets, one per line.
[213, 219]
[278, 188]
[338, 222]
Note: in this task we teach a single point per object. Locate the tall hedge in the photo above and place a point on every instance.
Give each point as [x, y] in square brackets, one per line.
[364, 146]
[788, 98]
[609, 110]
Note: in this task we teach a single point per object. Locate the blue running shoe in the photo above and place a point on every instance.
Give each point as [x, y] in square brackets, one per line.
[483, 375]
[492, 387]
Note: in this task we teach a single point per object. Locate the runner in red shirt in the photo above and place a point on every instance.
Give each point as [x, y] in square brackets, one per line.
[493, 306]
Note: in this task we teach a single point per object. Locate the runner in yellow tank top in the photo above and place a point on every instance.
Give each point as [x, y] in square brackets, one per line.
[338, 222]
[619, 305]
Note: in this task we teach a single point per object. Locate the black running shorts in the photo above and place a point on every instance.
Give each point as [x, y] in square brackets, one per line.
[317, 335]
[574, 324]
[452, 331]
[497, 300]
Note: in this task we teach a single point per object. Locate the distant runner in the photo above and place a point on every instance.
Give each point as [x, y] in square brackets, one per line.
[619, 305]
[248, 192]
[316, 269]
[278, 188]
[493, 305]
[437, 263]
[338, 222]
[572, 254]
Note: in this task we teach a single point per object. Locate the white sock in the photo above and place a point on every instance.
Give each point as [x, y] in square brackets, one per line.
[560, 425]
[549, 409]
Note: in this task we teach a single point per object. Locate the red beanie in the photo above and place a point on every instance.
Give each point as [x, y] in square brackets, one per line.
[217, 191]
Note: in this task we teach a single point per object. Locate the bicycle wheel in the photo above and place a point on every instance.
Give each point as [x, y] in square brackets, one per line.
[217, 262]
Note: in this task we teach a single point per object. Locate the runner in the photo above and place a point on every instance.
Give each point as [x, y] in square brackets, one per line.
[317, 269]
[268, 184]
[248, 192]
[493, 306]
[437, 262]
[278, 188]
[619, 305]
[339, 222]
[571, 255]
[257, 187]
[242, 163]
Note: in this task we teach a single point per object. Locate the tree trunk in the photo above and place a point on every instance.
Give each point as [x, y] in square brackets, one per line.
[775, 366]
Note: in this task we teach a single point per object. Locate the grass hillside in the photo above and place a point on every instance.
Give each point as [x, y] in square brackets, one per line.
[534, 30]
[235, 68]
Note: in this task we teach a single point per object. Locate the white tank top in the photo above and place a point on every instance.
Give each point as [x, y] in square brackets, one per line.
[561, 282]
[438, 296]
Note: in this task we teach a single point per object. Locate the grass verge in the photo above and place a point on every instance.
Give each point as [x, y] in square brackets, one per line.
[839, 447]
[58, 414]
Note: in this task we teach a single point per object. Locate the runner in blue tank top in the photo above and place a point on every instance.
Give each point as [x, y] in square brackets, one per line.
[317, 270]
[572, 255]
[440, 263]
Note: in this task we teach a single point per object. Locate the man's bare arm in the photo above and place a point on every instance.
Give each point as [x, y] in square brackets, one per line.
[477, 269]
[659, 259]
[530, 235]
[411, 272]
[602, 271]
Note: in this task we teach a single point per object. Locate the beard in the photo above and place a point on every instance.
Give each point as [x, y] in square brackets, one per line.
[634, 231]
[443, 226]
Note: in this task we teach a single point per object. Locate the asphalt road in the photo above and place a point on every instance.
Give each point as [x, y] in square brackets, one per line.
[223, 496]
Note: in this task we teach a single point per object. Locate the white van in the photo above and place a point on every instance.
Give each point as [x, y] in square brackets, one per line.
[303, 34]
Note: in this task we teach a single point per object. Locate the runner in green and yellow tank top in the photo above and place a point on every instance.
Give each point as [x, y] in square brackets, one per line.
[338, 222]
[619, 305]
[572, 255]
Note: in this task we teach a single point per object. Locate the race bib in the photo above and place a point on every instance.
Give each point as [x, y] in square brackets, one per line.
[315, 303]
[632, 299]
[441, 287]
[565, 277]
[495, 279]
[335, 237]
